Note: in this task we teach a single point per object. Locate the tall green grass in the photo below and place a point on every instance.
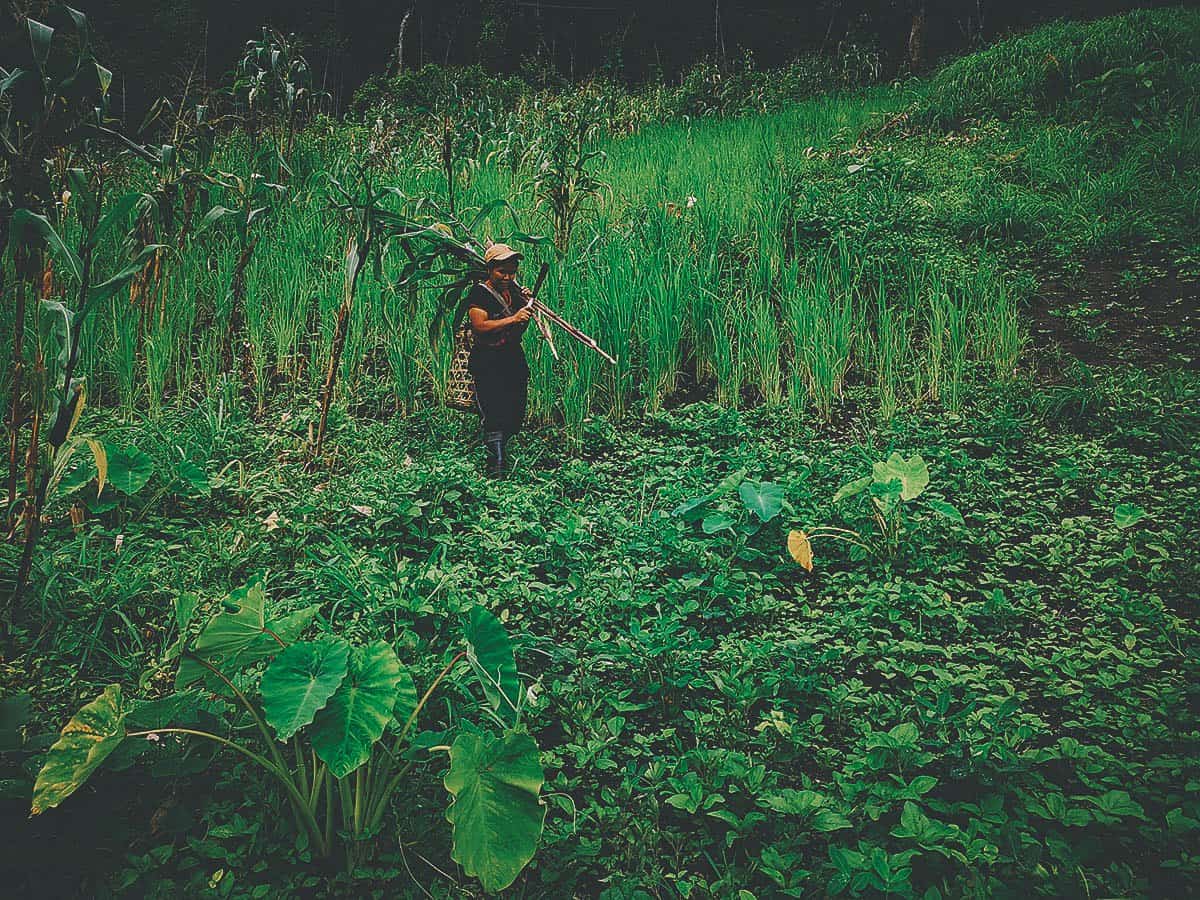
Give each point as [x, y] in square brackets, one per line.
[776, 252]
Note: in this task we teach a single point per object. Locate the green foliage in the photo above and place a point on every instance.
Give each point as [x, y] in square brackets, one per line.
[892, 485]
[299, 682]
[358, 712]
[497, 814]
[339, 698]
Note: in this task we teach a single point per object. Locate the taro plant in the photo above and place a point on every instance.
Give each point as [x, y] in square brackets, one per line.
[333, 724]
[889, 492]
[758, 502]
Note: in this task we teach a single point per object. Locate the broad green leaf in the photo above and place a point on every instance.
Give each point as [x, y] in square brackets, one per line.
[946, 509]
[227, 635]
[1126, 515]
[299, 682]
[345, 731]
[92, 734]
[194, 477]
[1117, 803]
[729, 482]
[80, 471]
[496, 815]
[829, 820]
[24, 221]
[793, 802]
[688, 508]
[128, 468]
[763, 498]
[717, 522]
[912, 473]
[490, 654]
[853, 488]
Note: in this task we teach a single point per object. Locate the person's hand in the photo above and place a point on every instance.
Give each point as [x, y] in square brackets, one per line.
[521, 315]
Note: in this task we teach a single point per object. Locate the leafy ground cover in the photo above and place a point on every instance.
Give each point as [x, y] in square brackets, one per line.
[1007, 705]
[990, 690]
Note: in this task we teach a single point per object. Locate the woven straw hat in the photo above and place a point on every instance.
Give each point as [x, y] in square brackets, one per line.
[498, 253]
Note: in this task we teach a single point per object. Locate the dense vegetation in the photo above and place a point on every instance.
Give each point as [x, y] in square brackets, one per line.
[865, 570]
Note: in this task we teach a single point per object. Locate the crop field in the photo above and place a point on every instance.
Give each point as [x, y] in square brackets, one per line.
[867, 569]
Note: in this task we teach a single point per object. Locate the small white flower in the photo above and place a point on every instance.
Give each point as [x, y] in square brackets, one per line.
[691, 201]
[153, 738]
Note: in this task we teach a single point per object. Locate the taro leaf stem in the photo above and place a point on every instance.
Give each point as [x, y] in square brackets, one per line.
[308, 821]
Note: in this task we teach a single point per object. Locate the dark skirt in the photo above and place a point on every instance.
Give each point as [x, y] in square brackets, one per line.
[501, 387]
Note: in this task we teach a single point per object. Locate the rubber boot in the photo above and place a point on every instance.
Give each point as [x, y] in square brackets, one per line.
[493, 445]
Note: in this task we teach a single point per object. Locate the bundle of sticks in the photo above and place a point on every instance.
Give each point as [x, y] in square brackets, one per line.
[543, 314]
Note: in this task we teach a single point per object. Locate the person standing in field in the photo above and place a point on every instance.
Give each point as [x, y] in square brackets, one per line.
[499, 316]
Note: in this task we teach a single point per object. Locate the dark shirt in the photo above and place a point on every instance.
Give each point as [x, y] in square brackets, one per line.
[510, 335]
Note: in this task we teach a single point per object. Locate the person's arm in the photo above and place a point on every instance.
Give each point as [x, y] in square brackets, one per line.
[483, 325]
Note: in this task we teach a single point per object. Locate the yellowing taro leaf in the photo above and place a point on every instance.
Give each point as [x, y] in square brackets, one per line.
[100, 455]
[800, 548]
[86, 741]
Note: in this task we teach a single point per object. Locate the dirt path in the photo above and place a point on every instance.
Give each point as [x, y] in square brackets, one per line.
[1139, 312]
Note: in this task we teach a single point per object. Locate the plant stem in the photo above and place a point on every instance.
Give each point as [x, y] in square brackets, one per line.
[309, 822]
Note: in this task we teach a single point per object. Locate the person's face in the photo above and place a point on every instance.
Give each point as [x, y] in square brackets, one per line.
[504, 273]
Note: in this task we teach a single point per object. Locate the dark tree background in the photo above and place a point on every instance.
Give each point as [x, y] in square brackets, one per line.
[163, 46]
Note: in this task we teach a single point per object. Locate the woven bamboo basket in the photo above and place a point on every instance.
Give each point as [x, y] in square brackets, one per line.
[460, 386]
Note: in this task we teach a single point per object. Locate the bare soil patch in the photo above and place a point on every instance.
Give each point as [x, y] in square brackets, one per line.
[1143, 312]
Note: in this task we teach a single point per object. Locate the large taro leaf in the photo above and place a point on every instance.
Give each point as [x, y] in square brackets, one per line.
[241, 635]
[491, 656]
[800, 548]
[344, 732]
[912, 474]
[853, 488]
[128, 468]
[86, 741]
[406, 700]
[694, 508]
[227, 634]
[496, 815]
[763, 498]
[299, 682]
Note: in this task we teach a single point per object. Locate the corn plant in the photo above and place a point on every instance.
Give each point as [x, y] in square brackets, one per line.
[564, 183]
[254, 197]
[47, 102]
[275, 84]
[57, 394]
[333, 725]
